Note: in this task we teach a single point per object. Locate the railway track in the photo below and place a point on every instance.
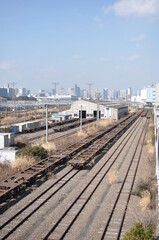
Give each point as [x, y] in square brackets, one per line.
[57, 135]
[20, 181]
[55, 131]
[76, 207]
[70, 175]
[122, 199]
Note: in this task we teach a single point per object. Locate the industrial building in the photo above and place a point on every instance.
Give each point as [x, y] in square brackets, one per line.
[89, 109]
[60, 117]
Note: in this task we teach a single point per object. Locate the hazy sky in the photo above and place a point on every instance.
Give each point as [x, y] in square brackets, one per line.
[113, 44]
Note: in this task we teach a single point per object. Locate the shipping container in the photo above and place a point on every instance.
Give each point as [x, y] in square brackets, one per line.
[14, 129]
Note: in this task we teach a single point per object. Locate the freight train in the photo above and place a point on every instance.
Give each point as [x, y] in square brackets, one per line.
[32, 126]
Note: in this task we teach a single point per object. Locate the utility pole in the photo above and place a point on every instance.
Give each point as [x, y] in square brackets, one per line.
[98, 97]
[90, 93]
[46, 123]
[55, 85]
[81, 119]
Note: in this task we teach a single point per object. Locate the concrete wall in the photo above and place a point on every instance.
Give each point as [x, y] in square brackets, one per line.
[87, 106]
[4, 141]
[7, 155]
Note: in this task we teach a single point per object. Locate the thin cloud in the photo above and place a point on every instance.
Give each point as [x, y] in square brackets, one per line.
[138, 38]
[77, 57]
[133, 57]
[140, 8]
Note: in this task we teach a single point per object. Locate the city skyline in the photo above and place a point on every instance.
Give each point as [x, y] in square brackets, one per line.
[112, 44]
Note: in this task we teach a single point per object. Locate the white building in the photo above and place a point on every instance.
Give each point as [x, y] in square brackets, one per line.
[150, 94]
[89, 110]
[22, 92]
[7, 154]
[143, 94]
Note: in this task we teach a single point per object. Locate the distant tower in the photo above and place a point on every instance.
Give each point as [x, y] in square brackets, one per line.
[90, 86]
[129, 91]
[13, 91]
[55, 86]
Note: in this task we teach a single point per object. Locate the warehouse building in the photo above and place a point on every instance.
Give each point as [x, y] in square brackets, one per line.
[89, 110]
[60, 117]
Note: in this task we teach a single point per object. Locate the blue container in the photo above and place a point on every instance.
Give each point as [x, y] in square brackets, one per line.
[39, 123]
[14, 129]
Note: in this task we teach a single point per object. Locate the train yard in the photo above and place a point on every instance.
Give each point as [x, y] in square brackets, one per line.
[56, 130]
[78, 202]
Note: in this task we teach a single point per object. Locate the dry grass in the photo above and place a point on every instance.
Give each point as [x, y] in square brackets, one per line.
[149, 217]
[5, 170]
[150, 150]
[63, 143]
[29, 115]
[105, 122]
[8, 120]
[82, 134]
[113, 177]
[147, 184]
[43, 139]
[91, 130]
[22, 162]
[145, 200]
[50, 147]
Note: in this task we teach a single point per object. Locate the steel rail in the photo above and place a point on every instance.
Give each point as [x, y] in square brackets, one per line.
[29, 204]
[122, 186]
[78, 197]
[21, 180]
[23, 209]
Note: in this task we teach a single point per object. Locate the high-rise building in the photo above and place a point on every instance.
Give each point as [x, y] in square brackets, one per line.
[84, 94]
[105, 94]
[3, 92]
[129, 92]
[11, 92]
[123, 93]
[53, 91]
[143, 94]
[71, 91]
[151, 94]
[22, 92]
[77, 91]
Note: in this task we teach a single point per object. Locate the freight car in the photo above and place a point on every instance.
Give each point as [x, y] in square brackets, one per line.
[32, 126]
[65, 127]
[149, 113]
[144, 113]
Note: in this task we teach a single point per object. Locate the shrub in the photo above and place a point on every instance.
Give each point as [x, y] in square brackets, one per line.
[49, 147]
[36, 151]
[139, 232]
[148, 185]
